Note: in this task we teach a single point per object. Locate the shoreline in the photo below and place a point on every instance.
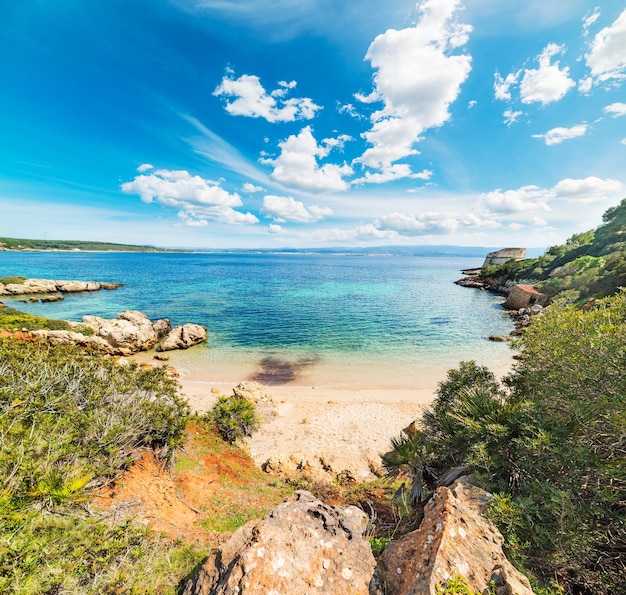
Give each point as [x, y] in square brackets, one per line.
[322, 426]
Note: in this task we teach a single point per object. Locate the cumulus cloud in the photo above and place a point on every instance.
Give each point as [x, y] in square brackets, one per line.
[145, 167]
[616, 109]
[548, 82]
[252, 100]
[417, 78]
[196, 198]
[286, 208]
[524, 199]
[419, 225]
[275, 228]
[587, 190]
[533, 199]
[297, 165]
[557, 135]
[606, 58]
[249, 188]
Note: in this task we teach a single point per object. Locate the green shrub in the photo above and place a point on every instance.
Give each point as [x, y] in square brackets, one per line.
[69, 421]
[234, 417]
[549, 441]
[13, 280]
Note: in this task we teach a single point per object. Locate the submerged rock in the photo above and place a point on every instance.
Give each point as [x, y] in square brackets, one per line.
[302, 546]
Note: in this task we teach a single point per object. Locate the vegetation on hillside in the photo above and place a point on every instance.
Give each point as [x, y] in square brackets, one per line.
[69, 421]
[14, 320]
[549, 441]
[22, 244]
[589, 265]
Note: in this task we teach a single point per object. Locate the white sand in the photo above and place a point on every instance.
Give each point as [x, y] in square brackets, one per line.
[344, 416]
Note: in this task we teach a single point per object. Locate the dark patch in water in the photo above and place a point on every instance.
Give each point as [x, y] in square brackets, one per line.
[274, 371]
[440, 320]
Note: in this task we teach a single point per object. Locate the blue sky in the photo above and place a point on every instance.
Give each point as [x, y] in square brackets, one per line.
[303, 123]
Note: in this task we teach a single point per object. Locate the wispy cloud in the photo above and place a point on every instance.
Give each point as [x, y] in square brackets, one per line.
[557, 135]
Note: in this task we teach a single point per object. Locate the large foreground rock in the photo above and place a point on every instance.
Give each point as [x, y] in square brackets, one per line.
[183, 337]
[302, 546]
[454, 537]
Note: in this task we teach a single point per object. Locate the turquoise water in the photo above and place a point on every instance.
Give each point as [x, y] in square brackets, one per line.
[313, 308]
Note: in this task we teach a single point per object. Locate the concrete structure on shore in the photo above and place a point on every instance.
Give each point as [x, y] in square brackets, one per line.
[504, 255]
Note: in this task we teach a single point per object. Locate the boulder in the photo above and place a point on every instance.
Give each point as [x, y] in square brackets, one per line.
[130, 332]
[29, 286]
[454, 537]
[74, 286]
[73, 338]
[183, 337]
[52, 298]
[302, 546]
[251, 391]
[161, 327]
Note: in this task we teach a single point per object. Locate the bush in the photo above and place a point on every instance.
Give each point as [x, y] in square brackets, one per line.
[234, 417]
[549, 441]
[69, 421]
[13, 280]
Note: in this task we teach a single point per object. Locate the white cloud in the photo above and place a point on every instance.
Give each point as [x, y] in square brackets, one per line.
[419, 225]
[616, 109]
[590, 20]
[606, 58]
[286, 208]
[396, 171]
[358, 233]
[198, 199]
[510, 116]
[587, 190]
[585, 85]
[297, 165]
[275, 228]
[623, 141]
[417, 78]
[502, 86]
[557, 135]
[349, 109]
[249, 188]
[336, 143]
[145, 167]
[533, 199]
[252, 100]
[548, 82]
[471, 104]
[524, 199]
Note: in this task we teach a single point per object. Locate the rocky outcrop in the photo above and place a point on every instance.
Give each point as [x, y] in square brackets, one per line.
[302, 546]
[129, 332]
[454, 538]
[183, 337]
[45, 286]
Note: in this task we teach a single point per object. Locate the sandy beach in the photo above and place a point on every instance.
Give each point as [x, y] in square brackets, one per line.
[324, 415]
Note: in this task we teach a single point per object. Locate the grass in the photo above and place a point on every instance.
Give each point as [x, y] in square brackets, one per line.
[13, 280]
[14, 320]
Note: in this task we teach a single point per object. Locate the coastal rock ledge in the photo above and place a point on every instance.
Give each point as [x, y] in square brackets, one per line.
[47, 286]
[131, 331]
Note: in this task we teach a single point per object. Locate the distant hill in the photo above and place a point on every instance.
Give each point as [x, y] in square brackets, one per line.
[589, 265]
[71, 245]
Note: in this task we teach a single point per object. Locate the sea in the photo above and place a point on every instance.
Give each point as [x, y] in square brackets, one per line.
[346, 320]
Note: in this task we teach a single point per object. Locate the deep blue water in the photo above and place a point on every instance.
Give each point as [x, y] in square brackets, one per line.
[316, 303]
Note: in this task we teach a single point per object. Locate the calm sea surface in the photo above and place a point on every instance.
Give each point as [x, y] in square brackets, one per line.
[371, 313]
